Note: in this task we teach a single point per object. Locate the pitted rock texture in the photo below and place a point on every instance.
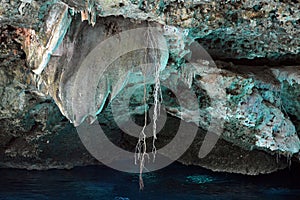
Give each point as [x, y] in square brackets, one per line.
[33, 133]
[259, 105]
[246, 101]
[228, 29]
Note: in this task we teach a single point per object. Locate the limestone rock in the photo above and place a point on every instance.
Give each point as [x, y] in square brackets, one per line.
[254, 109]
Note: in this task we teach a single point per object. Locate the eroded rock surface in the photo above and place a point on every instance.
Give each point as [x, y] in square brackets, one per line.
[255, 109]
[229, 29]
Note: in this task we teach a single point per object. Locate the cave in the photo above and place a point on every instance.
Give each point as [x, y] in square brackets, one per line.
[193, 95]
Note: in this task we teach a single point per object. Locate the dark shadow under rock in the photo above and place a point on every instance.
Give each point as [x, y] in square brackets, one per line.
[224, 157]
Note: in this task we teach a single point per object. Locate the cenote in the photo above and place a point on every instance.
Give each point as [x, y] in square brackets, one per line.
[149, 99]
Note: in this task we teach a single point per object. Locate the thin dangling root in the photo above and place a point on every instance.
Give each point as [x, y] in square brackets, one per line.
[157, 89]
[141, 147]
[141, 182]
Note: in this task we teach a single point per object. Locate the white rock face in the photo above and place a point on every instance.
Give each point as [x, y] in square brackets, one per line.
[41, 48]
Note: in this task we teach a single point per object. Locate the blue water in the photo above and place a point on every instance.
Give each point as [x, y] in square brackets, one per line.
[174, 182]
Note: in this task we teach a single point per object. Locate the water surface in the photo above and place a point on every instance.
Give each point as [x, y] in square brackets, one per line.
[174, 182]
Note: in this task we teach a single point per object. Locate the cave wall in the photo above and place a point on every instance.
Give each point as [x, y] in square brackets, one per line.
[41, 40]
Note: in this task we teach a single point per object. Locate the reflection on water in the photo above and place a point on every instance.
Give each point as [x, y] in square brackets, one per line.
[175, 182]
[200, 179]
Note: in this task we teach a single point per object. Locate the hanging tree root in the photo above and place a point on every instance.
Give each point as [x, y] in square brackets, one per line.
[141, 147]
